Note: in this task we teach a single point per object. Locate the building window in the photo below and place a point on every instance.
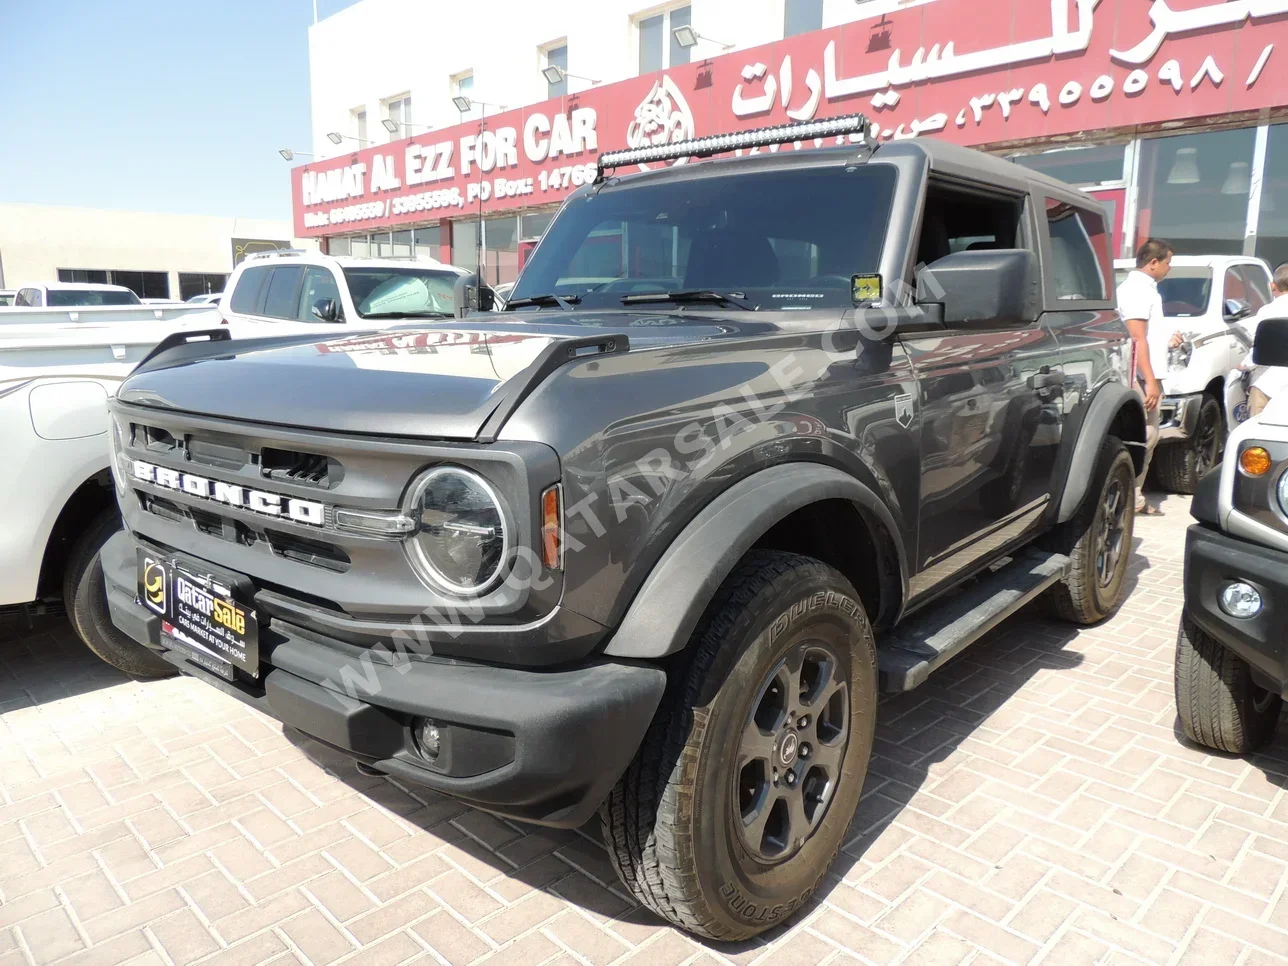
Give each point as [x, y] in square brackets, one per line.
[658, 47]
[1272, 224]
[360, 122]
[557, 57]
[463, 86]
[95, 276]
[1095, 165]
[200, 283]
[465, 235]
[1194, 191]
[398, 110]
[146, 285]
[802, 16]
[501, 239]
[429, 242]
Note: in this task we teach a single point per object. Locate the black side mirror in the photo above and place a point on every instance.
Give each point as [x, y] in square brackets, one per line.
[326, 310]
[1270, 345]
[983, 288]
[1236, 309]
[472, 294]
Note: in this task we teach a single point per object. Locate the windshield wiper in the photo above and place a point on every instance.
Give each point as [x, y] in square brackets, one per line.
[408, 315]
[565, 302]
[737, 299]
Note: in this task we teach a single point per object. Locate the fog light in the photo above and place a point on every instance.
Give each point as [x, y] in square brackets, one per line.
[428, 739]
[1240, 600]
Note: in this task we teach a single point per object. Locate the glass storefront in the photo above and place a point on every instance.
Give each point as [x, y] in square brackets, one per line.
[1194, 191]
[1096, 164]
[1272, 221]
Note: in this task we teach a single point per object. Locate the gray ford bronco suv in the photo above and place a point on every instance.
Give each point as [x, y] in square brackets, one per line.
[755, 439]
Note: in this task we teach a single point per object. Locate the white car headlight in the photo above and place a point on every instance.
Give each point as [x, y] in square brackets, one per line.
[1282, 491]
[461, 543]
[1178, 357]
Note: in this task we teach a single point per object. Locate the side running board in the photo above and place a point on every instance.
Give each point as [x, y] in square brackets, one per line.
[927, 641]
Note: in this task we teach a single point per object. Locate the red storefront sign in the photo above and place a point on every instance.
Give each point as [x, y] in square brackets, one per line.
[1028, 69]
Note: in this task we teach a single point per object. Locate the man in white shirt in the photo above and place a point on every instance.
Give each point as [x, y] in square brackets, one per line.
[1141, 308]
[1273, 379]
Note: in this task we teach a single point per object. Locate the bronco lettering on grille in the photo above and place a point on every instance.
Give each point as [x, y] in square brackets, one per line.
[232, 494]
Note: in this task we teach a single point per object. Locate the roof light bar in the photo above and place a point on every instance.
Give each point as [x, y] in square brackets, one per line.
[719, 143]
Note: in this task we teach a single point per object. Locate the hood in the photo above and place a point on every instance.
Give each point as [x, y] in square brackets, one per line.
[434, 381]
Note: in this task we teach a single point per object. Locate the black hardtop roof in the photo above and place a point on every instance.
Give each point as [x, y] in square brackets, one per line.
[943, 157]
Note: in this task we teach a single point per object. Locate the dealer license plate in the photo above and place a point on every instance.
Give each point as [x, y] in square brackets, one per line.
[200, 616]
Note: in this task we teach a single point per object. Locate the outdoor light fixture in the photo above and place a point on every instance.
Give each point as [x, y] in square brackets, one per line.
[463, 103]
[687, 37]
[335, 137]
[289, 154]
[390, 125]
[718, 144]
[555, 74]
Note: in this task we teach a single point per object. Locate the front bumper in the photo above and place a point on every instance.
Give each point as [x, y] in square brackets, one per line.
[1213, 560]
[538, 746]
[1178, 416]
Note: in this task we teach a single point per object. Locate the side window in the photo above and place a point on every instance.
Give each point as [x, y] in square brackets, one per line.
[1258, 285]
[319, 284]
[1079, 253]
[37, 297]
[1236, 287]
[960, 221]
[245, 298]
[21, 298]
[283, 291]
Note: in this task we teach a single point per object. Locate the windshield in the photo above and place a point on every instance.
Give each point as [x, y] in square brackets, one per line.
[89, 296]
[397, 292]
[786, 239]
[1185, 291]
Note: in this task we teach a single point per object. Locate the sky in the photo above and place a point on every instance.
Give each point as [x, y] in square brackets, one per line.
[155, 105]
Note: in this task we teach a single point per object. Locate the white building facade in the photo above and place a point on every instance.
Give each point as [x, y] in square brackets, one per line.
[164, 256]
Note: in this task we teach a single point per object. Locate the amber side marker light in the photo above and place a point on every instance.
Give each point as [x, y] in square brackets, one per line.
[1254, 461]
[551, 531]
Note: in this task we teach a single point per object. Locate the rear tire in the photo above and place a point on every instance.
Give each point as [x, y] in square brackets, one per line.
[1098, 542]
[703, 827]
[1180, 464]
[85, 597]
[1218, 703]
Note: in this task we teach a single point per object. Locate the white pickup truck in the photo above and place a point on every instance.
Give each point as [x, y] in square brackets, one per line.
[56, 490]
[58, 366]
[1211, 301]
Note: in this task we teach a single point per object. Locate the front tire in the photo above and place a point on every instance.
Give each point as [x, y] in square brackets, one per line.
[1179, 465]
[1218, 703]
[706, 828]
[85, 597]
[1098, 541]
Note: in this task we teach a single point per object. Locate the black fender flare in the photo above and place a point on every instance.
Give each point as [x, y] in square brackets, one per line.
[1102, 412]
[669, 605]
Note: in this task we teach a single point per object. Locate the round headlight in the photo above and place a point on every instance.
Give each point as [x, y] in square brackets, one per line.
[460, 544]
[1282, 489]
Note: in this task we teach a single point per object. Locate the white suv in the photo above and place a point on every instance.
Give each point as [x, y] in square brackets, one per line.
[1211, 300]
[313, 290]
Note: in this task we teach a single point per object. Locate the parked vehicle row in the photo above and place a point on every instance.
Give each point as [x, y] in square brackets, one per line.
[649, 542]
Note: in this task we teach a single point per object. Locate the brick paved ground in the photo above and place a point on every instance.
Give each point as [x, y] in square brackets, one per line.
[1032, 803]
